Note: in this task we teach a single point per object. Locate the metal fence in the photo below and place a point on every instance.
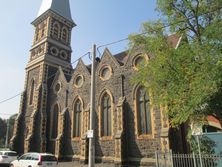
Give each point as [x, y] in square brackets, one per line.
[167, 159]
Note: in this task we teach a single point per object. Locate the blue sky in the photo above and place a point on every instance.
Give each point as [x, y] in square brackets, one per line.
[98, 21]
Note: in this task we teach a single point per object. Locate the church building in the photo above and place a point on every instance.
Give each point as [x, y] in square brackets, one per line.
[55, 103]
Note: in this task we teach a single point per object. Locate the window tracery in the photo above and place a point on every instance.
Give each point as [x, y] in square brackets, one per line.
[77, 119]
[54, 121]
[144, 126]
[32, 91]
[106, 115]
[64, 35]
[56, 30]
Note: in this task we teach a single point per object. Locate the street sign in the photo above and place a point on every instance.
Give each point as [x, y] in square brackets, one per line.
[90, 134]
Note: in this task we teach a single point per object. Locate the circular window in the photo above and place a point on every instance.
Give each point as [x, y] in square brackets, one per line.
[105, 73]
[139, 61]
[63, 55]
[78, 81]
[57, 87]
[54, 51]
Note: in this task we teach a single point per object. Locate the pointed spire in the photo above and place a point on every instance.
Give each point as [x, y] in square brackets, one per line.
[61, 7]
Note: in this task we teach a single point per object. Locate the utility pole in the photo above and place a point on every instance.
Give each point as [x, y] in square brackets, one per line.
[91, 136]
[7, 132]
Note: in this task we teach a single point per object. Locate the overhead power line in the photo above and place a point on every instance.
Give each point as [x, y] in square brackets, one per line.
[10, 98]
[3, 101]
[124, 39]
[163, 27]
[87, 53]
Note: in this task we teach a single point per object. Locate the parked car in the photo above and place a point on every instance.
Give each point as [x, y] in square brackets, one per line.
[6, 157]
[35, 160]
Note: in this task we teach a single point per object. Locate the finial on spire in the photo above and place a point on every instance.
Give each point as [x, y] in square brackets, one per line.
[61, 7]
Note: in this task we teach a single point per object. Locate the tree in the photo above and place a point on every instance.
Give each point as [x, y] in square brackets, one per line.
[186, 80]
[206, 145]
[11, 126]
[3, 127]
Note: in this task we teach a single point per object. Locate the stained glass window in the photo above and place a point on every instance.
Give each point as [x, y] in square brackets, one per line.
[143, 112]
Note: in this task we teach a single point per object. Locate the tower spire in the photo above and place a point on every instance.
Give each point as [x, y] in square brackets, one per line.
[61, 7]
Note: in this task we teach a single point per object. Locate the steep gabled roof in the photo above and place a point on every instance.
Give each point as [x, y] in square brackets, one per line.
[59, 74]
[109, 54]
[79, 69]
[121, 57]
[89, 67]
[61, 7]
[81, 63]
[68, 77]
[174, 40]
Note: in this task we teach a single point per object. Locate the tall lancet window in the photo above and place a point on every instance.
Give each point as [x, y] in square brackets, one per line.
[77, 119]
[32, 92]
[43, 31]
[106, 116]
[143, 112]
[36, 34]
[54, 121]
[56, 29]
[64, 35]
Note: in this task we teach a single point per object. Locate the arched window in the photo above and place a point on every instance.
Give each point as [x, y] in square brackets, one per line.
[106, 116]
[56, 29]
[37, 34]
[54, 121]
[143, 112]
[43, 31]
[77, 119]
[32, 92]
[64, 35]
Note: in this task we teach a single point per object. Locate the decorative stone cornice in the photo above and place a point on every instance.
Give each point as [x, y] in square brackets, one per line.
[49, 59]
[51, 13]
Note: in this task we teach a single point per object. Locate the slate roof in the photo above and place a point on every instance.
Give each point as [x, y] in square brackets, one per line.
[174, 40]
[122, 57]
[68, 77]
[60, 7]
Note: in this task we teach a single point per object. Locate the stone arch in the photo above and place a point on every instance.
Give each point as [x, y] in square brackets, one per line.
[106, 129]
[65, 34]
[36, 34]
[56, 30]
[32, 91]
[54, 120]
[77, 117]
[143, 112]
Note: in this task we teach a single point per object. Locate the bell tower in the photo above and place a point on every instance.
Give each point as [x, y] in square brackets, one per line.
[50, 50]
[52, 38]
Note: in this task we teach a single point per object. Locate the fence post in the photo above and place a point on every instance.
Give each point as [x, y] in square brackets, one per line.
[165, 162]
[171, 158]
[194, 160]
[200, 156]
[157, 163]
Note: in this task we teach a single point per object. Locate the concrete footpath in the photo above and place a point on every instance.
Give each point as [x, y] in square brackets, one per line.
[77, 164]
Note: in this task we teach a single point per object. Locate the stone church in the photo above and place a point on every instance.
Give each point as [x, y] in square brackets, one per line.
[54, 107]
